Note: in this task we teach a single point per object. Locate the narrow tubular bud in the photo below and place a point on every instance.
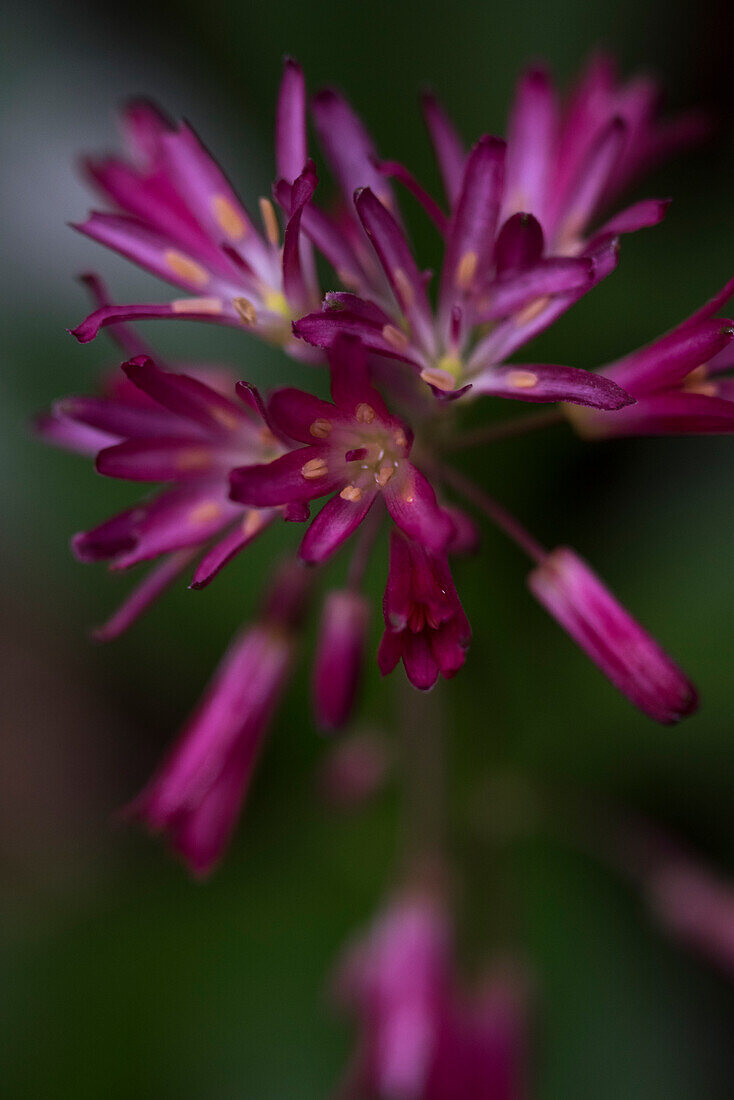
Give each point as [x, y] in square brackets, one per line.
[339, 654]
[626, 654]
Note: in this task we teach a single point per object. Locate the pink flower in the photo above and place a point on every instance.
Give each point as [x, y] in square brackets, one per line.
[425, 624]
[354, 448]
[625, 653]
[339, 655]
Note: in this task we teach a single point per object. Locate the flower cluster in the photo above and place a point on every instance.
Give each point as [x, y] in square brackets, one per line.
[528, 227]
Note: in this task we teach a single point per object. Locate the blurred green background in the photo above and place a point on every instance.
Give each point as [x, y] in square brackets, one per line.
[120, 977]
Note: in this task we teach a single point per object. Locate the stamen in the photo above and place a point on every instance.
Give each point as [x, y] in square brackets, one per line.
[197, 305]
[352, 493]
[245, 311]
[522, 379]
[276, 302]
[466, 269]
[364, 413]
[270, 221]
[404, 288]
[224, 417]
[441, 379]
[321, 428]
[531, 311]
[395, 337]
[205, 512]
[196, 458]
[400, 438]
[186, 268]
[384, 475]
[314, 468]
[251, 523]
[229, 217]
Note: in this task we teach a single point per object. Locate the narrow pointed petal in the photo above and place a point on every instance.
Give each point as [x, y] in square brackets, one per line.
[673, 412]
[113, 418]
[348, 147]
[642, 215]
[188, 515]
[393, 169]
[143, 124]
[519, 244]
[322, 330]
[183, 309]
[125, 337]
[339, 655]
[412, 503]
[473, 225]
[397, 261]
[110, 538]
[420, 664]
[667, 361]
[71, 435]
[284, 481]
[711, 307]
[158, 459]
[297, 283]
[153, 585]
[302, 416]
[186, 396]
[446, 145]
[543, 382]
[326, 235]
[547, 278]
[248, 527]
[291, 150]
[531, 141]
[336, 521]
[626, 654]
[590, 183]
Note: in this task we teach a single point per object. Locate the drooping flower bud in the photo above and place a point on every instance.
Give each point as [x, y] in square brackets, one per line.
[341, 644]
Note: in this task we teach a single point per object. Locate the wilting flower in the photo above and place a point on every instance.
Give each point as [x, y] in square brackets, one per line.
[422, 1038]
[162, 426]
[339, 655]
[354, 448]
[182, 221]
[196, 796]
[626, 654]
[679, 381]
[425, 624]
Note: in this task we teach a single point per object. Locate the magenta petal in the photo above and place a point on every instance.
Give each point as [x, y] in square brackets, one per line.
[412, 503]
[115, 418]
[339, 655]
[672, 412]
[188, 515]
[398, 264]
[336, 521]
[548, 277]
[297, 277]
[284, 481]
[295, 412]
[393, 169]
[224, 551]
[143, 124]
[667, 361]
[326, 235]
[186, 396]
[592, 179]
[531, 140]
[625, 653]
[447, 146]
[519, 244]
[290, 122]
[347, 146]
[324, 329]
[420, 664]
[642, 215]
[152, 586]
[112, 537]
[549, 382]
[184, 309]
[157, 459]
[390, 652]
[71, 435]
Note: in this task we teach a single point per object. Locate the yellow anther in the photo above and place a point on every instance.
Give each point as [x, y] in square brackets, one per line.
[246, 311]
[384, 475]
[229, 218]
[205, 512]
[270, 221]
[224, 417]
[466, 269]
[314, 468]
[186, 268]
[404, 288]
[321, 427]
[352, 493]
[522, 379]
[441, 379]
[400, 438]
[251, 523]
[531, 311]
[395, 337]
[195, 458]
[275, 301]
[197, 305]
[364, 413]
[266, 437]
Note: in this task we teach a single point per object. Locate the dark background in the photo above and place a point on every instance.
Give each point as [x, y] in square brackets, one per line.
[120, 977]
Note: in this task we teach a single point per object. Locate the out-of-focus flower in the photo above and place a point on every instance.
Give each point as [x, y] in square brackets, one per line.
[626, 654]
[196, 796]
[696, 906]
[181, 220]
[185, 433]
[425, 624]
[354, 448]
[339, 654]
[421, 1038]
[679, 381]
[354, 770]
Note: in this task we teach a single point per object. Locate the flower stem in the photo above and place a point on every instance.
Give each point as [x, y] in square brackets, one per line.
[494, 433]
[494, 511]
